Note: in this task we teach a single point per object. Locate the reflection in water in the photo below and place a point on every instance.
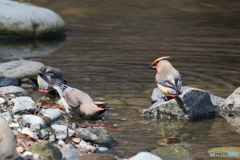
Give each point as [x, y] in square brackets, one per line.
[111, 44]
[19, 49]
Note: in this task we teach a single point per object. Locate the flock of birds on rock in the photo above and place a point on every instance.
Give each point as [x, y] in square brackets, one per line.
[167, 78]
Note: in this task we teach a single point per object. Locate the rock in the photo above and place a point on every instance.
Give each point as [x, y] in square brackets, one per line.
[145, 156]
[42, 133]
[53, 114]
[29, 132]
[28, 83]
[33, 120]
[97, 156]
[195, 102]
[229, 109]
[8, 142]
[6, 81]
[20, 20]
[172, 152]
[62, 129]
[2, 100]
[46, 151]
[61, 137]
[7, 116]
[69, 154]
[23, 104]
[11, 89]
[98, 135]
[20, 69]
[85, 146]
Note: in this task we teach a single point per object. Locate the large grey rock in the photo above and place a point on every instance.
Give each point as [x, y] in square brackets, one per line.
[145, 156]
[7, 142]
[11, 89]
[192, 103]
[98, 135]
[20, 69]
[21, 20]
[23, 104]
[6, 81]
[46, 150]
[34, 120]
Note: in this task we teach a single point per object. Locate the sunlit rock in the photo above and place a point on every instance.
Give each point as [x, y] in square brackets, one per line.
[192, 103]
[23, 104]
[11, 89]
[20, 69]
[145, 156]
[8, 142]
[21, 20]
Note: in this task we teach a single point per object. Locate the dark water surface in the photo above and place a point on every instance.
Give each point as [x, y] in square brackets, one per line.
[111, 44]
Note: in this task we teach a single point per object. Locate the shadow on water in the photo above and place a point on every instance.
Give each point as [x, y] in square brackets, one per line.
[110, 46]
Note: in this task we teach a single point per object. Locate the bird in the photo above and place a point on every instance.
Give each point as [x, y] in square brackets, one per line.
[79, 102]
[168, 79]
[49, 76]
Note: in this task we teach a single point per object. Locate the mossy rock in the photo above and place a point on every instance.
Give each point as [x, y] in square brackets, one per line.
[172, 152]
[46, 150]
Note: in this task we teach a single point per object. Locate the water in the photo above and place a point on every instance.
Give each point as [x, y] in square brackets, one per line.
[111, 44]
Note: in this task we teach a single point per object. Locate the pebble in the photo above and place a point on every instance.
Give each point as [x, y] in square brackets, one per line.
[2, 100]
[42, 133]
[102, 149]
[7, 116]
[61, 137]
[34, 120]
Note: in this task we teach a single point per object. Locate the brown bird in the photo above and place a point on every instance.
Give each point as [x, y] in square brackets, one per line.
[79, 102]
[48, 76]
[168, 79]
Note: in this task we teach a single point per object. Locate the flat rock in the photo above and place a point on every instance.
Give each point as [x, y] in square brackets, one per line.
[21, 20]
[20, 69]
[99, 135]
[8, 142]
[53, 114]
[23, 104]
[11, 89]
[46, 150]
[34, 120]
[145, 156]
[192, 103]
[6, 81]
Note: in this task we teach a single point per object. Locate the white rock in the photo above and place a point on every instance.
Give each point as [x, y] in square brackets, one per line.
[7, 116]
[102, 149]
[11, 89]
[33, 120]
[20, 69]
[8, 142]
[14, 124]
[51, 113]
[145, 156]
[2, 100]
[18, 19]
[23, 104]
[29, 132]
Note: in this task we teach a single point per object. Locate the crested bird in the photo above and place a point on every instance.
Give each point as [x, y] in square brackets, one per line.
[48, 76]
[168, 79]
[79, 102]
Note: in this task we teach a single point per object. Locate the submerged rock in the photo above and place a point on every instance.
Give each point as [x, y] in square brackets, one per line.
[7, 140]
[99, 135]
[192, 103]
[20, 69]
[172, 152]
[46, 150]
[21, 20]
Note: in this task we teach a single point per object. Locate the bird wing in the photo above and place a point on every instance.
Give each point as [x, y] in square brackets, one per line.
[171, 82]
